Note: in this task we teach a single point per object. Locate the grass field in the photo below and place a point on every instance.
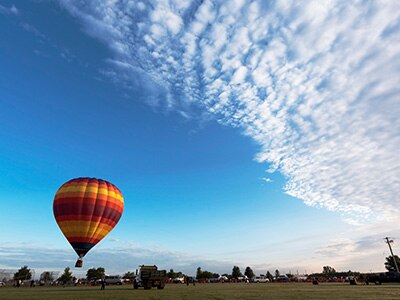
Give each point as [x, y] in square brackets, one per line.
[211, 291]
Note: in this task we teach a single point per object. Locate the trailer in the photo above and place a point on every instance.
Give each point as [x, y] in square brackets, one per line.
[388, 277]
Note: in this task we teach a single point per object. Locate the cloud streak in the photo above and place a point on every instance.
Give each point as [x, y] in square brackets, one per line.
[13, 10]
[315, 85]
[117, 257]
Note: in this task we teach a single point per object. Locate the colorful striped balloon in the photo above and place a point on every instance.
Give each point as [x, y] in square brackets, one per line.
[86, 210]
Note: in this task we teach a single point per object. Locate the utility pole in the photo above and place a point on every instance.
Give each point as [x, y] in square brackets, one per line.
[388, 241]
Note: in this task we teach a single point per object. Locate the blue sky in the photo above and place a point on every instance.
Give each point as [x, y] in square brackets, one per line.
[261, 134]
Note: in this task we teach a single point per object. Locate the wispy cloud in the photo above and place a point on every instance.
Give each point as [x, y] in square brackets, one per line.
[46, 43]
[316, 84]
[9, 10]
[32, 29]
[366, 253]
[117, 257]
[266, 179]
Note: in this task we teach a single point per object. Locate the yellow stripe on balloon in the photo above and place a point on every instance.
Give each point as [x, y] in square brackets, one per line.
[63, 191]
[72, 188]
[116, 195]
[99, 234]
[84, 228]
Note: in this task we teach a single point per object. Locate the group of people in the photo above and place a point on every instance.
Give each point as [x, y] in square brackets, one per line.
[19, 283]
[103, 284]
[189, 280]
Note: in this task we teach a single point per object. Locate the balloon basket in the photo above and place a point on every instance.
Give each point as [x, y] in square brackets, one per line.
[79, 263]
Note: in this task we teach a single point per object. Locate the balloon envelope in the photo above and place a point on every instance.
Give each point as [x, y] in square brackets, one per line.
[86, 210]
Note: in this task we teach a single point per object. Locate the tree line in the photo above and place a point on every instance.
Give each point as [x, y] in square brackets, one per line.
[235, 274]
[24, 273]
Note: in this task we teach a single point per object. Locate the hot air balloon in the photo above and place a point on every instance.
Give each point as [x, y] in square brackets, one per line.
[86, 210]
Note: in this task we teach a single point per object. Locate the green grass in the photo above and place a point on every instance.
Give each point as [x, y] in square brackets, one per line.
[218, 291]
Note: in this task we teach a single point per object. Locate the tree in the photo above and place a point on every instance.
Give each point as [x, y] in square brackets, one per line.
[95, 274]
[199, 273]
[277, 273]
[171, 274]
[23, 273]
[205, 274]
[129, 275]
[236, 272]
[46, 276]
[328, 270]
[249, 272]
[390, 265]
[66, 276]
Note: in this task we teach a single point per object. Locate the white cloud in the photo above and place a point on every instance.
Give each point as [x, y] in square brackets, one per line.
[316, 85]
[266, 179]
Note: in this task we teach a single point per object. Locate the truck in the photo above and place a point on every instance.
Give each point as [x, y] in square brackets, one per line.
[148, 277]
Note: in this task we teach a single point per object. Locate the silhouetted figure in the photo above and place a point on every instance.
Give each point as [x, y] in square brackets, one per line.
[103, 284]
[353, 281]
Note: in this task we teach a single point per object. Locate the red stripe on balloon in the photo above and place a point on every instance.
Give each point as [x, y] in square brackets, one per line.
[80, 201]
[87, 209]
[77, 239]
[109, 201]
[86, 218]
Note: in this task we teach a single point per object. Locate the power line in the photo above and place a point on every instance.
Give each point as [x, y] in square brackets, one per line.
[389, 241]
